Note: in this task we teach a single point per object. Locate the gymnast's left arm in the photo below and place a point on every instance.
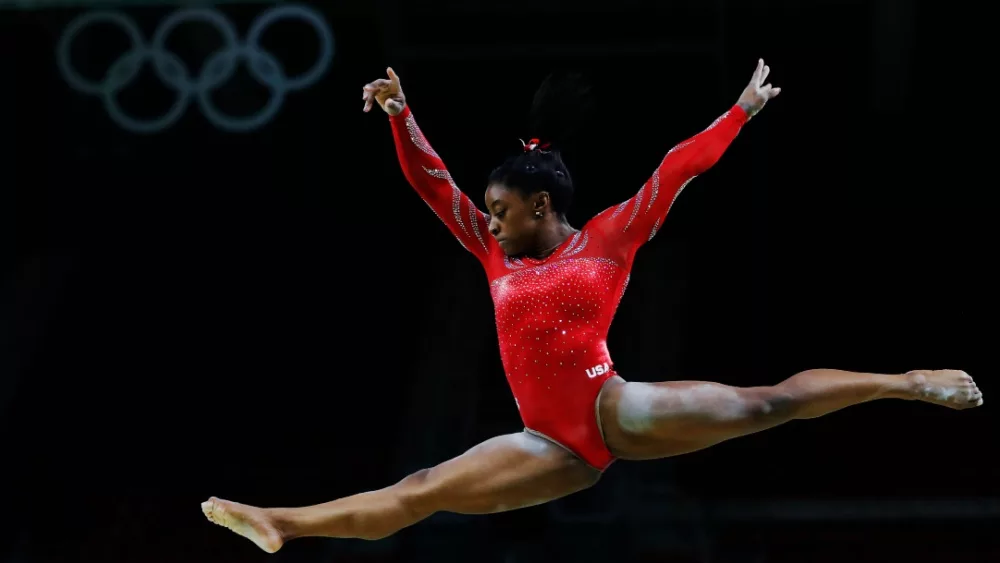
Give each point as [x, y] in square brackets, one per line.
[636, 220]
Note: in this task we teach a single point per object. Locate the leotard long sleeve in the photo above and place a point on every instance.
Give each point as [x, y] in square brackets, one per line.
[635, 221]
[426, 172]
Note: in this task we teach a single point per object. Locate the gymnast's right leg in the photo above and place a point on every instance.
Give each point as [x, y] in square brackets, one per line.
[503, 473]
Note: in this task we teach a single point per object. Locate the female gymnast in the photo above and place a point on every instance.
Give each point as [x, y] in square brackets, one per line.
[555, 289]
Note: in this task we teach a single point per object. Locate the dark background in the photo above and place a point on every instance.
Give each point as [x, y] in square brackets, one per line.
[274, 317]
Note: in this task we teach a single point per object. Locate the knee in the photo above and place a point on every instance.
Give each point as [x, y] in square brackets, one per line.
[416, 494]
[405, 502]
[415, 480]
[772, 404]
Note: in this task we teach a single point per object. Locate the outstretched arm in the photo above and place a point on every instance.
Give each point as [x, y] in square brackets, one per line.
[636, 220]
[426, 172]
[429, 177]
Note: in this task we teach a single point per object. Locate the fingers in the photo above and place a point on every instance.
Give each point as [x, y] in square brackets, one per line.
[370, 90]
[383, 86]
[368, 95]
[378, 85]
[760, 75]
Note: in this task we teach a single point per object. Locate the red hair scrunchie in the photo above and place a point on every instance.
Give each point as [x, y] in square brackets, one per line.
[532, 144]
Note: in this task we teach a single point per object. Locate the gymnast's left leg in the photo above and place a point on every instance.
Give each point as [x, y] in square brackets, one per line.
[503, 473]
[656, 420]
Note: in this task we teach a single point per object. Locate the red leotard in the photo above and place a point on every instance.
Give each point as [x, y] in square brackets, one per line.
[553, 314]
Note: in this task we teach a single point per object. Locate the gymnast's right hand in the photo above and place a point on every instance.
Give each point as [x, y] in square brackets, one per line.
[387, 93]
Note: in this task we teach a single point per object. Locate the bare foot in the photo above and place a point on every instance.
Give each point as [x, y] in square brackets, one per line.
[248, 521]
[946, 387]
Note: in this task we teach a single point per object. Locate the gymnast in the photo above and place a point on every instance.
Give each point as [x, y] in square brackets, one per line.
[555, 289]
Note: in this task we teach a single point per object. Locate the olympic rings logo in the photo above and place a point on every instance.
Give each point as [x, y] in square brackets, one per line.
[217, 69]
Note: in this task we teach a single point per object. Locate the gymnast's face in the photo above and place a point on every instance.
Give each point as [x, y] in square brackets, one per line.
[513, 219]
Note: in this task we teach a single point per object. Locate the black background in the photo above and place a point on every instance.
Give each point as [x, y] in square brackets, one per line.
[275, 317]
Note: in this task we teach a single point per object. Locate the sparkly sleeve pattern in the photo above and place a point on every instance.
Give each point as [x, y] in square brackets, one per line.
[636, 220]
[427, 174]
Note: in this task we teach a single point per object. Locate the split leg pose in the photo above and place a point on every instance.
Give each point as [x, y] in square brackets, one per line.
[555, 289]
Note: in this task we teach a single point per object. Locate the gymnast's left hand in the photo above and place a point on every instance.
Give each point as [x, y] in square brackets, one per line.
[757, 93]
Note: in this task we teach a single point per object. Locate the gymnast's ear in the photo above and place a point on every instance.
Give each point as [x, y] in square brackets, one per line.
[541, 202]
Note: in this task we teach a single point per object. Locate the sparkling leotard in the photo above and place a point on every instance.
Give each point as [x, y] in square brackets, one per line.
[553, 315]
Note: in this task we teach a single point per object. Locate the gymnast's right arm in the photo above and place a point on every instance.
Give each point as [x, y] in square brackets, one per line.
[427, 174]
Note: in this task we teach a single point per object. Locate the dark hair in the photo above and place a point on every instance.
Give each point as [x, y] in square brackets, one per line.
[558, 111]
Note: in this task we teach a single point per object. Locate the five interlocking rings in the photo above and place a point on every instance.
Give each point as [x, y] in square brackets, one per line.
[217, 69]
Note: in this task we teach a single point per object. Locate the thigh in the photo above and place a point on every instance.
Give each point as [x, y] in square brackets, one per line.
[656, 420]
[504, 473]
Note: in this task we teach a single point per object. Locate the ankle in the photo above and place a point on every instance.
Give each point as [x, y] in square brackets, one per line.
[911, 384]
[282, 521]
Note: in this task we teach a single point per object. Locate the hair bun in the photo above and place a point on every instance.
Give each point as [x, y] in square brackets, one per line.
[562, 108]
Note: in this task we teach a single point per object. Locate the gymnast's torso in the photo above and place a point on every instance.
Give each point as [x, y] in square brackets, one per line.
[552, 319]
